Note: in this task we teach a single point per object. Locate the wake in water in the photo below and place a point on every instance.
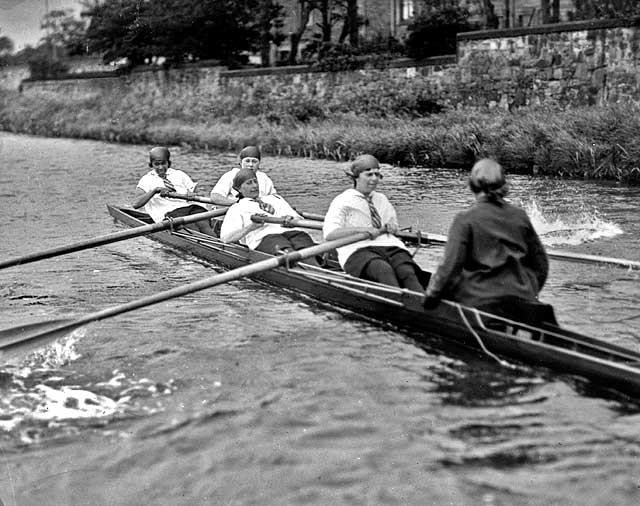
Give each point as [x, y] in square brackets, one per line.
[575, 228]
[37, 401]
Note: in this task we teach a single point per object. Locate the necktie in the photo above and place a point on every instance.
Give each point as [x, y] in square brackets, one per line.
[375, 217]
[268, 208]
[168, 183]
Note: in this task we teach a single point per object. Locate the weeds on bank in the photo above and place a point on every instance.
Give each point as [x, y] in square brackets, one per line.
[591, 142]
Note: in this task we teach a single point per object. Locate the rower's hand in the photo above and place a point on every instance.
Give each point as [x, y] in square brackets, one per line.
[374, 232]
[162, 190]
[286, 221]
[389, 228]
[430, 301]
[258, 224]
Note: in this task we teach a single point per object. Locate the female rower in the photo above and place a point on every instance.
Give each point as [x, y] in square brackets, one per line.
[383, 257]
[156, 185]
[266, 237]
[224, 193]
[494, 259]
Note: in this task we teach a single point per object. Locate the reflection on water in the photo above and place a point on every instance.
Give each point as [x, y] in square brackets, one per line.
[243, 395]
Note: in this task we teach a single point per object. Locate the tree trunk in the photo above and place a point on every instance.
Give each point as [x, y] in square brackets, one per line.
[489, 13]
[265, 33]
[555, 11]
[507, 13]
[325, 7]
[296, 36]
[544, 9]
[352, 20]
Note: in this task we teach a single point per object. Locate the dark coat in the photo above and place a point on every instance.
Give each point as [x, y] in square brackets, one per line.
[492, 252]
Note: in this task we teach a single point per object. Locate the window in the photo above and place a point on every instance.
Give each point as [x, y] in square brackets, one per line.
[406, 9]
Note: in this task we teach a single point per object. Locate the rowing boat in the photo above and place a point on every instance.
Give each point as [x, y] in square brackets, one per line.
[608, 366]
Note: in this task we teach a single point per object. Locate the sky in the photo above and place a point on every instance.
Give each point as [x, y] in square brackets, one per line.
[20, 19]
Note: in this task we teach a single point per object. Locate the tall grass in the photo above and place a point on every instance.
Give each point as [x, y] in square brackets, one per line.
[593, 142]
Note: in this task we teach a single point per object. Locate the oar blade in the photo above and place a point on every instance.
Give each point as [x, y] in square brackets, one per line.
[18, 342]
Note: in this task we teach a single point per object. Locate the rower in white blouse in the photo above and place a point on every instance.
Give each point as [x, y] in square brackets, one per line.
[153, 189]
[266, 237]
[383, 257]
[224, 194]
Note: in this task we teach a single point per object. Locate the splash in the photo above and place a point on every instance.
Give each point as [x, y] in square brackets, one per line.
[583, 226]
[33, 408]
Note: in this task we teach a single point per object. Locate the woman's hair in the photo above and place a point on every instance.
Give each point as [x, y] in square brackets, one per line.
[487, 176]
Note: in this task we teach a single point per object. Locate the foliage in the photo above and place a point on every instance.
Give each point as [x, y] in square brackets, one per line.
[599, 9]
[590, 142]
[329, 56]
[43, 66]
[6, 46]
[433, 32]
[175, 29]
[65, 35]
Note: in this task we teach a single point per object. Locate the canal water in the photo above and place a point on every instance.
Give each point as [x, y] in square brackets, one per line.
[242, 395]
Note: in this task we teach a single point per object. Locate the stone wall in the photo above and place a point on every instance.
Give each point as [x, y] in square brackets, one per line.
[558, 65]
[563, 64]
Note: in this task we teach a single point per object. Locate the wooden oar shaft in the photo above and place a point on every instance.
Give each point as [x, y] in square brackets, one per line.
[261, 218]
[559, 255]
[580, 258]
[14, 337]
[110, 238]
[194, 198]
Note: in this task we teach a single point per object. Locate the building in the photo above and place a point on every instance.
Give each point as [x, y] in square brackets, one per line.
[391, 17]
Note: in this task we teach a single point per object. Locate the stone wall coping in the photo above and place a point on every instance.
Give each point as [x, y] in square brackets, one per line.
[574, 26]
[303, 69]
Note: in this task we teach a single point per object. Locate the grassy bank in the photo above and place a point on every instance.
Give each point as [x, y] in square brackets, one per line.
[594, 143]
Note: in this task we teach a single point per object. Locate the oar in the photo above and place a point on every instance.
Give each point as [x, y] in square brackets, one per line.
[194, 198]
[296, 222]
[107, 239]
[14, 341]
[313, 223]
[424, 238]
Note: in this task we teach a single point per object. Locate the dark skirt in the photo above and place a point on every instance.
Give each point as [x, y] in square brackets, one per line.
[289, 240]
[360, 258]
[185, 211]
[526, 311]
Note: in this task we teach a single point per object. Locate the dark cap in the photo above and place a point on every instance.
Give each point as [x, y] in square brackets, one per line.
[159, 153]
[242, 176]
[250, 152]
[362, 164]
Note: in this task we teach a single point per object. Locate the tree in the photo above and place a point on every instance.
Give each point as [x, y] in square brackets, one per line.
[603, 9]
[433, 32]
[6, 45]
[306, 6]
[64, 34]
[178, 30]
[269, 27]
[351, 23]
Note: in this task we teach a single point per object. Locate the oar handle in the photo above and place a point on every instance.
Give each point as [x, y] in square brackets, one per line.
[110, 238]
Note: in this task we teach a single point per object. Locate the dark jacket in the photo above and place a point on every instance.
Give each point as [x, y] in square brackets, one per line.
[492, 251]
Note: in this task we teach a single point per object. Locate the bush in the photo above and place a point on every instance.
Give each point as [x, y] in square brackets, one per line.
[434, 34]
[41, 66]
[329, 56]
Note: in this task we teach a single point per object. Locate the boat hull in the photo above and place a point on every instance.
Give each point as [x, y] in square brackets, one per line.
[606, 365]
